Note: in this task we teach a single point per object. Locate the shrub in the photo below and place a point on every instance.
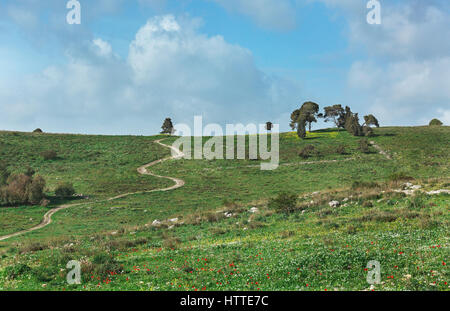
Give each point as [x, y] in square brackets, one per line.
[22, 189]
[435, 122]
[36, 190]
[4, 173]
[364, 145]
[285, 202]
[65, 190]
[38, 130]
[49, 155]
[307, 151]
[364, 185]
[13, 272]
[341, 149]
[101, 266]
[399, 176]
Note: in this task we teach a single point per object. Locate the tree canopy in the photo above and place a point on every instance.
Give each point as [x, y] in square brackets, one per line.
[371, 120]
[167, 127]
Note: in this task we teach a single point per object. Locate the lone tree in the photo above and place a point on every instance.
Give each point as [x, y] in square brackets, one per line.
[305, 115]
[371, 120]
[435, 122]
[167, 127]
[269, 126]
[310, 111]
[333, 113]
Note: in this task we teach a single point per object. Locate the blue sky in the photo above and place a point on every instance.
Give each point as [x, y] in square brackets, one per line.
[130, 64]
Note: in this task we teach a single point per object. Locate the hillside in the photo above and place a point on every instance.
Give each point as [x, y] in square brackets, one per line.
[215, 241]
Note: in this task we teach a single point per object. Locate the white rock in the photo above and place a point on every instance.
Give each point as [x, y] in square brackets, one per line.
[407, 185]
[438, 192]
[416, 187]
[114, 233]
[345, 200]
[228, 215]
[334, 204]
[156, 222]
[254, 210]
[173, 220]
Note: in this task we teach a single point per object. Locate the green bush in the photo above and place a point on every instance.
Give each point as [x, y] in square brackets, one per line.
[285, 202]
[307, 151]
[399, 176]
[341, 149]
[49, 155]
[435, 122]
[364, 145]
[65, 190]
[4, 173]
[13, 272]
[22, 189]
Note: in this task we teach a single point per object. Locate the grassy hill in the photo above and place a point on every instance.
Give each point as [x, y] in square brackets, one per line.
[217, 243]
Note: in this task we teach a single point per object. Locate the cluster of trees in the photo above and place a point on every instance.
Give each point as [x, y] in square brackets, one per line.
[26, 188]
[342, 117]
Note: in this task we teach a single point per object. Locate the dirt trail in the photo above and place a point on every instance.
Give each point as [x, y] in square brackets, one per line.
[380, 150]
[141, 170]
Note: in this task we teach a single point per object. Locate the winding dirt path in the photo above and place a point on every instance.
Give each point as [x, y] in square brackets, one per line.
[141, 170]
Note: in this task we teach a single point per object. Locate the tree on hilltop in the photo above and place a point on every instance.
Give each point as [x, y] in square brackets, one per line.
[167, 127]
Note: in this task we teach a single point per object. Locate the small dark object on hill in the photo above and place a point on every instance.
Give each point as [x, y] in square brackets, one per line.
[364, 184]
[364, 145]
[65, 190]
[285, 202]
[435, 122]
[39, 131]
[341, 149]
[400, 176]
[307, 151]
[49, 155]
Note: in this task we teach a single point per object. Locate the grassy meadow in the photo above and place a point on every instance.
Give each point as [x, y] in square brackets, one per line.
[215, 241]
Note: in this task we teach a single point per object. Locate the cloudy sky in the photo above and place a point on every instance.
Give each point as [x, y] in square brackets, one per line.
[130, 64]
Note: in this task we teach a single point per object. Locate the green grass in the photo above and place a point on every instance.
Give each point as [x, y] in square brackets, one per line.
[321, 248]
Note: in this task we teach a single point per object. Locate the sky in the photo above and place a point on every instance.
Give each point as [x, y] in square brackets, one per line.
[130, 64]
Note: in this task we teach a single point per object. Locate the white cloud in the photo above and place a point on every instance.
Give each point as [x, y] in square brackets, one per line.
[172, 70]
[406, 92]
[103, 48]
[272, 14]
[406, 76]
